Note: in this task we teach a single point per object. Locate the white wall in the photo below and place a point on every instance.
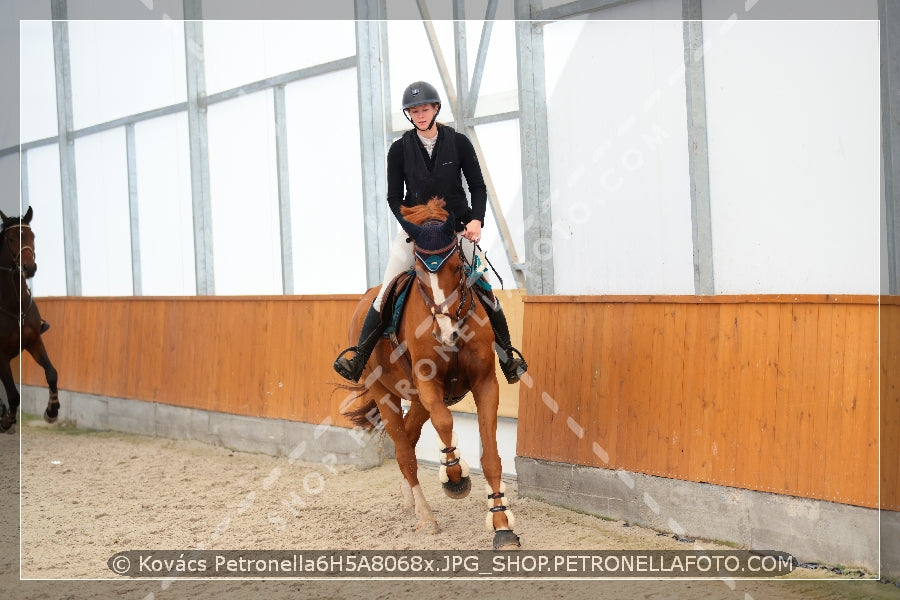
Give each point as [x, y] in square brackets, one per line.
[793, 114]
[793, 118]
[618, 157]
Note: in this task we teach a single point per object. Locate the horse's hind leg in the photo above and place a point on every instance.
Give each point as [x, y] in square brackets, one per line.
[412, 423]
[392, 418]
[39, 354]
[8, 418]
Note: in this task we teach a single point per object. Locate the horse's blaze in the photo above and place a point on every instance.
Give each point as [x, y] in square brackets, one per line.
[448, 332]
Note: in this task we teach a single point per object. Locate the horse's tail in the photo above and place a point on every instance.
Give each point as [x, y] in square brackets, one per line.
[360, 407]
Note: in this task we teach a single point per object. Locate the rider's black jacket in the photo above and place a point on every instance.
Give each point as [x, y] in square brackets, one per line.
[409, 165]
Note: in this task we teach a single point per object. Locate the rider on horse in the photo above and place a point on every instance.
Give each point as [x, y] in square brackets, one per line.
[429, 161]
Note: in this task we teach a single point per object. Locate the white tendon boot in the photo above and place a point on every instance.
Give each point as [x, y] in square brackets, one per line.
[506, 502]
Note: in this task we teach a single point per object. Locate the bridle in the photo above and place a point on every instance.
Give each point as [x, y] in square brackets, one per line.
[432, 261]
[17, 256]
[17, 268]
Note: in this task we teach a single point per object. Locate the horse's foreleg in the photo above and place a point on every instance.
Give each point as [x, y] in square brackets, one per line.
[39, 354]
[411, 491]
[8, 418]
[499, 517]
[454, 472]
[413, 422]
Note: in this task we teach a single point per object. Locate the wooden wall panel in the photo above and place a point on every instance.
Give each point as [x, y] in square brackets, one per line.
[771, 393]
[267, 356]
[890, 403]
[263, 357]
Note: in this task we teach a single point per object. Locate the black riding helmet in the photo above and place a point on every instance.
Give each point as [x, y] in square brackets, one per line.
[420, 92]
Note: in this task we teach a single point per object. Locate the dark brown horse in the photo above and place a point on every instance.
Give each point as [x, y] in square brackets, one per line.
[445, 349]
[20, 321]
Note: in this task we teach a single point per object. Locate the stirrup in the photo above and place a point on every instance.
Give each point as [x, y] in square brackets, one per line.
[347, 367]
[513, 367]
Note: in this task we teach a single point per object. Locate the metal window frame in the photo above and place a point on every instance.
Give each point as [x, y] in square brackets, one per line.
[889, 19]
[463, 102]
[66, 139]
[376, 135]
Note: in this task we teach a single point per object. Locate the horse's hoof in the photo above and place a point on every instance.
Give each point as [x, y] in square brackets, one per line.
[51, 413]
[430, 528]
[6, 423]
[504, 539]
[459, 489]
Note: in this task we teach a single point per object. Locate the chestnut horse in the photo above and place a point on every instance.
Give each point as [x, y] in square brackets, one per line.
[20, 321]
[445, 348]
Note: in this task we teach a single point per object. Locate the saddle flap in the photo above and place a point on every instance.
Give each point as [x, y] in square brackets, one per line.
[395, 300]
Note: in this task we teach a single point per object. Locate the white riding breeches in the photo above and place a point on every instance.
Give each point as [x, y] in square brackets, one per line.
[402, 259]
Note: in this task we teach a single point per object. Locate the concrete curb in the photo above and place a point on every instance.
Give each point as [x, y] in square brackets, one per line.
[277, 437]
[811, 530]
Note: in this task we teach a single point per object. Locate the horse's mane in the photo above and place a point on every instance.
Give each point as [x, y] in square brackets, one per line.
[433, 210]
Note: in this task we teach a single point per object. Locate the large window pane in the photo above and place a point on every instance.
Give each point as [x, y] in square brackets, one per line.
[326, 185]
[37, 81]
[238, 52]
[103, 214]
[244, 194]
[125, 67]
[45, 198]
[165, 206]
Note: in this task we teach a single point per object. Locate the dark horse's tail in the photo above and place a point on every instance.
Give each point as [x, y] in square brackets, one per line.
[360, 407]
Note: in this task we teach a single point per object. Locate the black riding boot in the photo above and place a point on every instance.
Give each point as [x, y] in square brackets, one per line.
[513, 367]
[352, 368]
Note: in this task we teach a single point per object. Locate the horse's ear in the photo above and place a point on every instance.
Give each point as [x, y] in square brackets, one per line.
[28, 214]
[3, 216]
[412, 229]
[450, 224]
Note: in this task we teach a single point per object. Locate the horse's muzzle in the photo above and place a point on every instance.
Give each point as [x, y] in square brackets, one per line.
[29, 270]
[449, 340]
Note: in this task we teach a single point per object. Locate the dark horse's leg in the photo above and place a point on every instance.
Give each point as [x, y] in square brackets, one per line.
[39, 354]
[8, 418]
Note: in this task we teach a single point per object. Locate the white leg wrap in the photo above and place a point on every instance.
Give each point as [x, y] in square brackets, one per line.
[510, 518]
[449, 456]
[454, 440]
[505, 501]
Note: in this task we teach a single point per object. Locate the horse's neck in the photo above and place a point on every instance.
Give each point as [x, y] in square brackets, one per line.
[14, 292]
